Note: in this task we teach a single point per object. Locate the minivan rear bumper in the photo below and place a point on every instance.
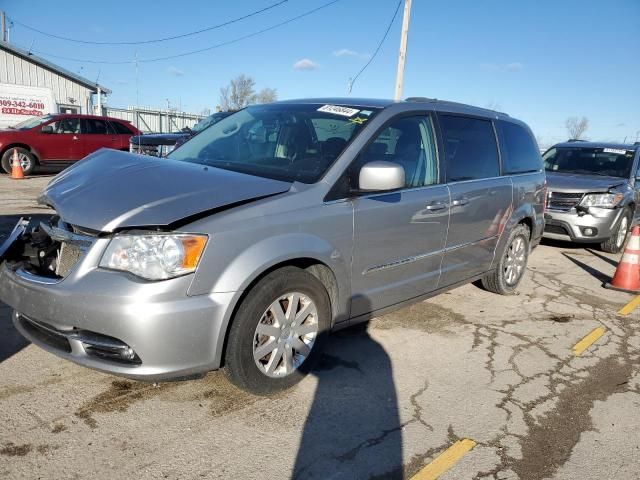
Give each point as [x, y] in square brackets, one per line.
[560, 225]
[170, 335]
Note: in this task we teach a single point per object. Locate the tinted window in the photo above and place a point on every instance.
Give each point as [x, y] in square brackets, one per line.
[95, 126]
[410, 143]
[66, 125]
[280, 141]
[470, 148]
[120, 129]
[520, 153]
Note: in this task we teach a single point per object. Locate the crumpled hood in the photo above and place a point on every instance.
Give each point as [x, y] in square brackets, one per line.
[110, 190]
[569, 182]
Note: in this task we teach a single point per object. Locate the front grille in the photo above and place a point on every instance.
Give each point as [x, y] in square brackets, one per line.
[153, 150]
[55, 249]
[563, 201]
[68, 255]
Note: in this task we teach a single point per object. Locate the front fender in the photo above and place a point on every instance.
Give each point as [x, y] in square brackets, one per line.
[260, 257]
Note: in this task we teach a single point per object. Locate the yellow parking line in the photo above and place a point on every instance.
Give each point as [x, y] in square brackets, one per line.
[445, 460]
[587, 341]
[630, 307]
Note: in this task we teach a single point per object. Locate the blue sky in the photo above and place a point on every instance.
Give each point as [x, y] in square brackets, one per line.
[541, 61]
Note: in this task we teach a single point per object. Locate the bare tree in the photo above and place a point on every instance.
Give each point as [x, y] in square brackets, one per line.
[266, 95]
[577, 126]
[240, 93]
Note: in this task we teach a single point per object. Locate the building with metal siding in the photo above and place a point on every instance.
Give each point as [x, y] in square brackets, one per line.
[71, 92]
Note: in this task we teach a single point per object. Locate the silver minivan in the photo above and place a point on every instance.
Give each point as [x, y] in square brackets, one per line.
[252, 241]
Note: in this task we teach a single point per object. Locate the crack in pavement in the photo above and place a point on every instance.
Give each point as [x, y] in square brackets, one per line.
[551, 437]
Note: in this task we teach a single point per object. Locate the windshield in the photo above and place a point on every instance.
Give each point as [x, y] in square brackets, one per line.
[290, 142]
[610, 162]
[32, 122]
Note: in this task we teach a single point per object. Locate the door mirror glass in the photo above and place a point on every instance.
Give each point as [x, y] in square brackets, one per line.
[381, 176]
[47, 129]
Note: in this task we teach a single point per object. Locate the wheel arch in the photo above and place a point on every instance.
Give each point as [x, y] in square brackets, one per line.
[9, 146]
[316, 267]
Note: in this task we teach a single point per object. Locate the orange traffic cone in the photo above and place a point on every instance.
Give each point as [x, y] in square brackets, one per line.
[16, 167]
[627, 276]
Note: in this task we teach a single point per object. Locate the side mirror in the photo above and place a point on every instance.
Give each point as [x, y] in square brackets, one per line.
[47, 129]
[381, 176]
[186, 130]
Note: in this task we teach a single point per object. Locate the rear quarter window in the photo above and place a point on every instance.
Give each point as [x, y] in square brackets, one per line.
[520, 153]
[120, 129]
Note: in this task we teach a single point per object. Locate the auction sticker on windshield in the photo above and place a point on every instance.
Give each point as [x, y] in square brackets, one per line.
[614, 150]
[344, 111]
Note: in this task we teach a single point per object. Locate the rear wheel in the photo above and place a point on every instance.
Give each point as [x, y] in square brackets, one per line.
[278, 332]
[615, 243]
[512, 264]
[27, 160]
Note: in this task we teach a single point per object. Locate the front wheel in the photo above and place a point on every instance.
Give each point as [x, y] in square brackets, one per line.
[26, 158]
[512, 264]
[615, 242]
[278, 332]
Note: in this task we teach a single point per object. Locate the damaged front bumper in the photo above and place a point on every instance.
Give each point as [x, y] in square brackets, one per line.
[106, 320]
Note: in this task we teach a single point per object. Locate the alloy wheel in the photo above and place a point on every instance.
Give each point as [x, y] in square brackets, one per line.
[622, 232]
[516, 261]
[285, 334]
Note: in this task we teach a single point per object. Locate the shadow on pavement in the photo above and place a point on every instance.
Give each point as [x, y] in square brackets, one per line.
[11, 342]
[353, 427]
[602, 277]
[602, 257]
[566, 245]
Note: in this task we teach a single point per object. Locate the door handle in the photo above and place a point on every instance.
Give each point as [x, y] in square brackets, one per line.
[75, 138]
[460, 201]
[435, 207]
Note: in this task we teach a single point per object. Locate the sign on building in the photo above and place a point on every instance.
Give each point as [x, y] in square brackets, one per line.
[18, 103]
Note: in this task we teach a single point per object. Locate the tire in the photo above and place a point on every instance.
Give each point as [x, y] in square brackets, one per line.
[26, 157]
[512, 264]
[616, 242]
[249, 359]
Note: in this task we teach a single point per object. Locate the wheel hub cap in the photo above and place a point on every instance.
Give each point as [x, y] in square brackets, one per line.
[516, 261]
[285, 334]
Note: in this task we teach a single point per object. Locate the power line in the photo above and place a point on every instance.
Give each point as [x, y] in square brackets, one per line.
[395, 14]
[156, 40]
[192, 52]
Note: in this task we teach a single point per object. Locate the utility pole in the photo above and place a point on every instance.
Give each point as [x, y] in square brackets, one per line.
[403, 49]
[3, 20]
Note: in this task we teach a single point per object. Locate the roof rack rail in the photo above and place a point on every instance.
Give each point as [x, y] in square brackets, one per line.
[420, 99]
[571, 140]
[447, 102]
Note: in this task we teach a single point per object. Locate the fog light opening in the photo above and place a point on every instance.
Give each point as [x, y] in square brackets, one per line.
[589, 231]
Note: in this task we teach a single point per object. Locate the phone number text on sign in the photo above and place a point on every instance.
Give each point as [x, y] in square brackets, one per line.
[22, 104]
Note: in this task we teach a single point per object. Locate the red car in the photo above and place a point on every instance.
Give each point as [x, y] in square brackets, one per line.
[59, 140]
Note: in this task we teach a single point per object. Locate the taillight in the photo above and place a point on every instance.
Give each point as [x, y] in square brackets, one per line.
[544, 197]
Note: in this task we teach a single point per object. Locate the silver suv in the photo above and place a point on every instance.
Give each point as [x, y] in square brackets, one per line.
[594, 194]
[252, 241]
